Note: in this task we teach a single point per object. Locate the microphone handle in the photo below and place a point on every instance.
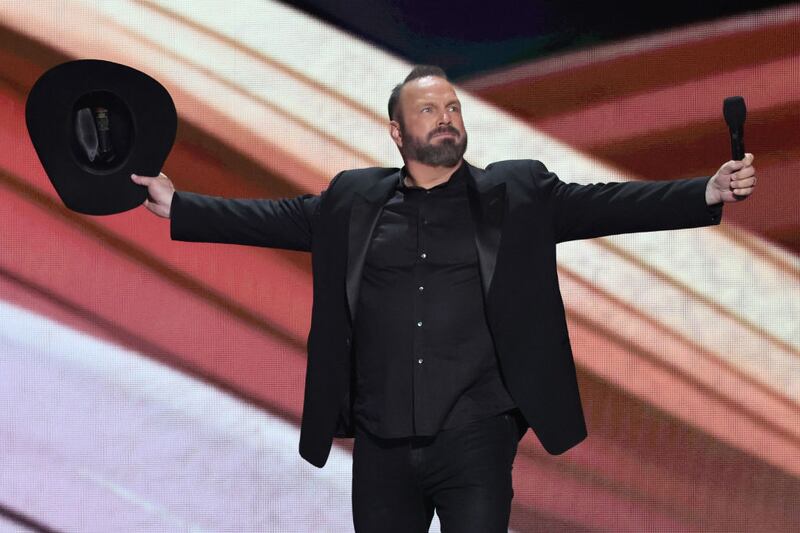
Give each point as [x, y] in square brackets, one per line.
[737, 144]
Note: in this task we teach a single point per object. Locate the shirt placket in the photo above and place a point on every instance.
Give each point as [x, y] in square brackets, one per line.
[420, 332]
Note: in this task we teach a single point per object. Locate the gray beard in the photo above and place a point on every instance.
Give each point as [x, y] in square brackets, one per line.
[446, 154]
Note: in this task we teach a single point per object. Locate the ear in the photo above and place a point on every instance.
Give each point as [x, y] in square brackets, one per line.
[394, 131]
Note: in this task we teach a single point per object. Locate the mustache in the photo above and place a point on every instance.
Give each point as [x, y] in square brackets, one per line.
[444, 129]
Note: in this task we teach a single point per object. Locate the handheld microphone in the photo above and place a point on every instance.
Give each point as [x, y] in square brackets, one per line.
[735, 112]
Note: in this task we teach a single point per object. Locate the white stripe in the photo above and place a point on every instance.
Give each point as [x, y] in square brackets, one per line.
[98, 438]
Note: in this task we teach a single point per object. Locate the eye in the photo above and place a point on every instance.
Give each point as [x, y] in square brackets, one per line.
[426, 109]
[454, 108]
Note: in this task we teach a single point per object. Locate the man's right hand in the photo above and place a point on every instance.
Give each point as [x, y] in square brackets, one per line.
[159, 193]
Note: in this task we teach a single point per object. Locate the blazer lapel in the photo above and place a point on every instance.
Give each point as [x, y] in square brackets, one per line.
[363, 218]
[487, 204]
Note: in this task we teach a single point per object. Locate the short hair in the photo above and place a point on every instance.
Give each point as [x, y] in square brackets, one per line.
[419, 71]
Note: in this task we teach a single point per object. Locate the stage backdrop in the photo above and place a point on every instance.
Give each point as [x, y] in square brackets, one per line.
[149, 385]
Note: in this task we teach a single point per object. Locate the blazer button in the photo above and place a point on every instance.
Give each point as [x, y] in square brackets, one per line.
[347, 341]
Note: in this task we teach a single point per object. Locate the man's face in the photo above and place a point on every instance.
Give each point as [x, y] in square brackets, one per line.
[430, 128]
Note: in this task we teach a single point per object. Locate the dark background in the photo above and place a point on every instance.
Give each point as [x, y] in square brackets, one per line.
[470, 37]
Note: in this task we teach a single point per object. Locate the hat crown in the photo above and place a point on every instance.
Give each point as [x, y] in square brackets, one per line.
[103, 132]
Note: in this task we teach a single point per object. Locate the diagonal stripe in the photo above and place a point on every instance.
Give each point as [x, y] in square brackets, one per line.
[706, 41]
[97, 438]
[12, 521]
[150, 261]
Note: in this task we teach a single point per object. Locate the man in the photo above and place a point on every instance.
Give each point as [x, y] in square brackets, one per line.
[438, 332]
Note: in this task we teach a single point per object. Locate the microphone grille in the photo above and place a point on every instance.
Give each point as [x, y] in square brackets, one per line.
[734, 111]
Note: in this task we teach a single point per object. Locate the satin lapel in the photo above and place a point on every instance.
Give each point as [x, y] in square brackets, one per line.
[488, 208]
[363, 218]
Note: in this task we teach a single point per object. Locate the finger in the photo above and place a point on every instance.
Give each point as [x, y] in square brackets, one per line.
[744, 173]
[142, 180]
[731, 167]
[743, 192]
[151, 206]
[744, 183]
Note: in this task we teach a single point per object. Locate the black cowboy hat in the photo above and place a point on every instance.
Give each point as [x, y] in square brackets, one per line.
[93, 124]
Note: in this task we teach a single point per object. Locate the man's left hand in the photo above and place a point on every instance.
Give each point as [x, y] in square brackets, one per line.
[734, 181]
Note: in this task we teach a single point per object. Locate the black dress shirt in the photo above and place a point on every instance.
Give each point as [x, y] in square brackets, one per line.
[425, 359]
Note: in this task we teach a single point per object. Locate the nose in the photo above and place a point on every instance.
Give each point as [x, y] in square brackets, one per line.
[444, 118]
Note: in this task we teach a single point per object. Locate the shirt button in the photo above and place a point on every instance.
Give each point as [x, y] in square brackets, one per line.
[419, 361]
[421, 288]
[423, 255]
[419, 324]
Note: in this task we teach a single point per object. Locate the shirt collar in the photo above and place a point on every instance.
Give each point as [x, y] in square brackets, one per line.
[458, 177]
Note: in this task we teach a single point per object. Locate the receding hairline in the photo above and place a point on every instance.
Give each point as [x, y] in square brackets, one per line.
[417, 73]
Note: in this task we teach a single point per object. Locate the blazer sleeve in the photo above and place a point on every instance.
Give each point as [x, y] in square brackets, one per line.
[284, 223]
[588, 211]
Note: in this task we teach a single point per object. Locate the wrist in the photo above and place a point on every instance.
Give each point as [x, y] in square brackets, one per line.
[712, 194]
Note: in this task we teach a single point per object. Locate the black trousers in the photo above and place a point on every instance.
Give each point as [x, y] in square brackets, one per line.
[462, 473]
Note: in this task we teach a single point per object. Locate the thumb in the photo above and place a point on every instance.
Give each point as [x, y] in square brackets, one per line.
[731, 166]
[141, 180]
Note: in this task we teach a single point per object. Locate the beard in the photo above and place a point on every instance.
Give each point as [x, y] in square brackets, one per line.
[447, 153]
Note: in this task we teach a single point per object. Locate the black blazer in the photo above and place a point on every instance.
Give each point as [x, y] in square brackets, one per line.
[520, 212]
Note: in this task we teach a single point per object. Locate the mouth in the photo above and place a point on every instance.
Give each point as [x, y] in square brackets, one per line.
[444, 134]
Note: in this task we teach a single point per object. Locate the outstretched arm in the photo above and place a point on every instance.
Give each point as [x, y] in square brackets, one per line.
[285, 223]
[587, 211]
